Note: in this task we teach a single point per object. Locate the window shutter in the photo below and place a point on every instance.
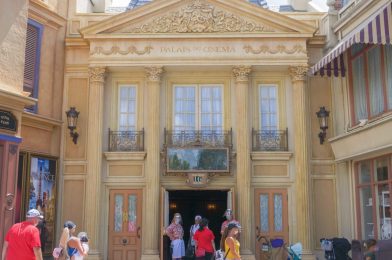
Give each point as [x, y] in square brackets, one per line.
[31, 51]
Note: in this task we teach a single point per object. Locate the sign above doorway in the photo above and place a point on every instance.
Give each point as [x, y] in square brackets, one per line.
[8, 121]
[198, 180]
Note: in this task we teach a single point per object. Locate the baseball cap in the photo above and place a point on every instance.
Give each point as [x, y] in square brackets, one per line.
[69, 224]
[34, 213]
[198, 217]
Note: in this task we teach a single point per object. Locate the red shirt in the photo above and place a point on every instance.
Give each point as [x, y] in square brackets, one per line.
[22, 238]
[204, 239]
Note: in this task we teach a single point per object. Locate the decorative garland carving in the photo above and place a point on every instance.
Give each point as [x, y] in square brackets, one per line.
[275, 50]
[199, 17]
[241, 73]
[298, 73]
[117, 50]
[154, 73]
[97, 74]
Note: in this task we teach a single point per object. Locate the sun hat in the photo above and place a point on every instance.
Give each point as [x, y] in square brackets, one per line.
[34, 213]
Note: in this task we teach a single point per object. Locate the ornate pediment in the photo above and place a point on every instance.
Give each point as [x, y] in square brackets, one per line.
[198, 16]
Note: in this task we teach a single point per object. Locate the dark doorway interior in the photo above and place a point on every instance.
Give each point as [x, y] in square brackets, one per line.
[209, 204]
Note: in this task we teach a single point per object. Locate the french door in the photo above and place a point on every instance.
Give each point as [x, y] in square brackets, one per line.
[271, 215]
[125, 219]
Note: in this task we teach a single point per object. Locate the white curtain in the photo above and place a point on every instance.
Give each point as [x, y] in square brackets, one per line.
[388, 68]
[211, 115]
[375, 81]
[184, 108]
[268, 107]
[127, 108]
[359, 89]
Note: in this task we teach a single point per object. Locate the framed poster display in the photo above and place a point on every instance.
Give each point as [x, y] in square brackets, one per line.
[41, 185]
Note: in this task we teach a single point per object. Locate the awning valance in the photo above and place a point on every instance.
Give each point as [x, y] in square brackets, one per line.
[376, 30]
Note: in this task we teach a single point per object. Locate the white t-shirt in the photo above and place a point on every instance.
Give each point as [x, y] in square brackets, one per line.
[85, 247]
[194, 228]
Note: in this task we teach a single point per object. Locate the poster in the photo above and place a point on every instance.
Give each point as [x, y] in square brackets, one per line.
[41, 190]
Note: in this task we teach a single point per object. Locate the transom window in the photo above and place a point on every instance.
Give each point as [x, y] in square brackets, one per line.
[127, 108]
[198, 107]
[374, 185]
[268, 107]
[371, 84]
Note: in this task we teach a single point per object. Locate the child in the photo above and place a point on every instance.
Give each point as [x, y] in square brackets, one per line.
[370, 246]
[84, 240]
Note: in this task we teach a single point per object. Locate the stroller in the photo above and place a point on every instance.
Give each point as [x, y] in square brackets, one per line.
[336, 248]
[272, 249]
[295, 251]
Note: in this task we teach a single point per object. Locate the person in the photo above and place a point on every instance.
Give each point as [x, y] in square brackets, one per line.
[176, 234]
[370, 246]
[22, 241]
[43, 233]
[70, 243]
[84, 240]
[229, 218]
[204, 239]
[194, 228]
[229, 242]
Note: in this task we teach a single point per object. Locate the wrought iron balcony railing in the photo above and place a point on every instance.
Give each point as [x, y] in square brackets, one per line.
[214, 138]
[270, 140]
[126, 141]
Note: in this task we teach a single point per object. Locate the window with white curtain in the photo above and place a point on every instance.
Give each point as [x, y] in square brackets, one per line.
[198, 107]
[127, 108]
[371, 84]
[268, 107]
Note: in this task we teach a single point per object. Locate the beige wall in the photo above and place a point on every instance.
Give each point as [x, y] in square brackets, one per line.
[13, 20]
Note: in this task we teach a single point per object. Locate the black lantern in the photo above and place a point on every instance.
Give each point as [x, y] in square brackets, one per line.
[323, 115]
[72, 118]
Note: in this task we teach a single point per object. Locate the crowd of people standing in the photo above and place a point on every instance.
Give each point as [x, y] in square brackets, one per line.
[201, 244]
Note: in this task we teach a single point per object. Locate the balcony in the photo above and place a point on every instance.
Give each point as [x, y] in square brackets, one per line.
[126, 141]
[208, 138]
[270, 140]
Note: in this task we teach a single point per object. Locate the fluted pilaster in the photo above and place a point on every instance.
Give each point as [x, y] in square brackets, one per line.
[151, 232]
[94, 154]
[242, 134]
[301, 152]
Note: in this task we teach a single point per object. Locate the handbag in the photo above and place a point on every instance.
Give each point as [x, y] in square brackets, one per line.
[190, 250]
[200, 252]
[219, 254]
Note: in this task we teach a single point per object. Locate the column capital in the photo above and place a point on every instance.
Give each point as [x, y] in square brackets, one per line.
[298, 73]
[154, 73]
[97, 74]
[241, 73]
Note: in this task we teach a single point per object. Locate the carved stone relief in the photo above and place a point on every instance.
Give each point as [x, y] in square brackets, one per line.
[117, 50]
[199, 17]
[281, 49]
[298, 73]
[97, 74]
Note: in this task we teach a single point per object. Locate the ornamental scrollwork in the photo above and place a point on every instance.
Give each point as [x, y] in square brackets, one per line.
[241, 73]
[199, 17]
[298, 73]
[97, 74]
[275, 50]
[154, 73]
[118, 50]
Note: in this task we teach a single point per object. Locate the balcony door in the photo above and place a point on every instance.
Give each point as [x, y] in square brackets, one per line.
[271, 215]
[125, 219]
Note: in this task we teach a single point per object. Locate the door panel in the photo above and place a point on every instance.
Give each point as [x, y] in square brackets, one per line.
[271, 215]
[125, 218]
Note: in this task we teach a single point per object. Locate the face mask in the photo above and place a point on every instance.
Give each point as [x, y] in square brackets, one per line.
[228, 216]
[177, 221]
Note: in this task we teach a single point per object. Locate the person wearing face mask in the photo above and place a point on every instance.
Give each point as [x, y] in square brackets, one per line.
[22, 240]
[229, 219]
[176, 233]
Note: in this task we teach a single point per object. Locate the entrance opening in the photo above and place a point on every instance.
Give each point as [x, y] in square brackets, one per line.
[210, 204]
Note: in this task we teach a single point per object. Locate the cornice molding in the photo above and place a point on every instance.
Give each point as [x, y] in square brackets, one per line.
[41, 12]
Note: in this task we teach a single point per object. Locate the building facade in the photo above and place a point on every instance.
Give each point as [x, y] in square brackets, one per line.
[196, 106]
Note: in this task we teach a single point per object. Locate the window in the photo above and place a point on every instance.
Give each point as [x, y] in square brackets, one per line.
[127, 108]
[371, 71]
[198, 107]
[268, 107]
[32, 60]
[374, 185]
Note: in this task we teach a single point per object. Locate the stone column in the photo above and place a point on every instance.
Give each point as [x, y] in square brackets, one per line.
[94, 157]
[242, 134]
[301, 157]
[153, 131]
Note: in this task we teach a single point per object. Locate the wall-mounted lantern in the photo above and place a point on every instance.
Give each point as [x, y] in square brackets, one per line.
[72, 118]
[323, 115]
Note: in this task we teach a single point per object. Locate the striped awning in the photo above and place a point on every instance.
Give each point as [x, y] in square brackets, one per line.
[376, 30]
